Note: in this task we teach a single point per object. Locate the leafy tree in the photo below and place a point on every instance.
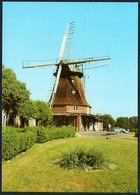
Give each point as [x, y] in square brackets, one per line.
[122, 122]
[15, 100]
[127, 123]
[42, 113]
[14, 92]
[107, 120]
[133, 123]
[25, 111]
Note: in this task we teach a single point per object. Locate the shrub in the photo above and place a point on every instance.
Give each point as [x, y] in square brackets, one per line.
[41, 136]
[94, 159]
[27, 128]
[22, 142]
[19, 129]
[81, 159]
[14, 142]
[69, 131]
[26, 140]
[10, 146]
[51, 133]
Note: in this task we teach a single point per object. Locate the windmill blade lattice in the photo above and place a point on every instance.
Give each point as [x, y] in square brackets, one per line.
[64, 60]
[64, 48]
[66, 43]
[94, 63]
[69, 40]
[39, 63]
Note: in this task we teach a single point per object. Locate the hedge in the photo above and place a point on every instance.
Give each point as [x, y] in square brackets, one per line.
[10, 146]
[51, 133]
[26, 140]
[16, 140]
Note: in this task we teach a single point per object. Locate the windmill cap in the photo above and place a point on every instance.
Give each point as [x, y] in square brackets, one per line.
[70, 70]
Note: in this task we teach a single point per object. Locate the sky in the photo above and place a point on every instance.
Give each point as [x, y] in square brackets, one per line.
[34, 31]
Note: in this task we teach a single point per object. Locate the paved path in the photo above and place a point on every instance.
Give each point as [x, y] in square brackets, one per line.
[106, 134]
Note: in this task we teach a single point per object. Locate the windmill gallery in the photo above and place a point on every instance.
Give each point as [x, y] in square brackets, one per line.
[67, 100]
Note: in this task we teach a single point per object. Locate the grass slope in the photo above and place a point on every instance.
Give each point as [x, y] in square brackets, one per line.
[34, 171]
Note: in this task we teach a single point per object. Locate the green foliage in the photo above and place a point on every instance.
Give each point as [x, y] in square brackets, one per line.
[107, 120]
[38, 110]
[10, 146]
[133, 123]
[42, 113]
[26, 140]
[35, 170]
[130, 123]
[14, 92]
[14, 142]
[82, 159]
[26, 110]
[122, 122]
[41, 134]
[127, 123]
[15, 100]
[52, 132]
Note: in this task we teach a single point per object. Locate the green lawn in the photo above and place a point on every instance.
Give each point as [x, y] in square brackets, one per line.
[34, 171]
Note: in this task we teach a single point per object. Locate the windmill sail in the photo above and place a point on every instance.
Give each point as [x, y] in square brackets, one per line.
[67, 41]
[61, 57]
[68, 101]
[75, 65]
[39, 63]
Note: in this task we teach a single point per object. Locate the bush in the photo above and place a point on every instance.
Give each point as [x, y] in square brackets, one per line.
[81, 159]
[26, 140]
[14, 142]
[51, 133]
[10, 146]
[41, 136]
[27, 128]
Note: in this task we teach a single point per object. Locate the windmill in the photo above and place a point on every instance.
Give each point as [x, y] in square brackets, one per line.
[67, 101]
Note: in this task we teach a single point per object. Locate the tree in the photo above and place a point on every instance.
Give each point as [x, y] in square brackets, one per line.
[127, 123]
[107, 120]
[133, 123]
[42, 113]
[122, 122]
[14, 92]
[25, 111]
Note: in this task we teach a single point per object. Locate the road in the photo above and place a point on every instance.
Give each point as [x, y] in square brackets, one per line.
[106, 134]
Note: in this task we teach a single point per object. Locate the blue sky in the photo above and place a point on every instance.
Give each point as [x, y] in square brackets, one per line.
[34, 31]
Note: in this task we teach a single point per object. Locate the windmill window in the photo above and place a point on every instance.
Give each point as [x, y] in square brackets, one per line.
[75, 107]
[73, 91]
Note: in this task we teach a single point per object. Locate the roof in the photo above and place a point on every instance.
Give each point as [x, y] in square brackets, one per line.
[70, 90]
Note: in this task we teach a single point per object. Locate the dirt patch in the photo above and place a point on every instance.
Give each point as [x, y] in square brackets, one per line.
[112, 166]
[105, 167]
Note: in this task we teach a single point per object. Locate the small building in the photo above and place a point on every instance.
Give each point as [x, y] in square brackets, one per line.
[98, 126]
[31, 122]
[15, 121]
